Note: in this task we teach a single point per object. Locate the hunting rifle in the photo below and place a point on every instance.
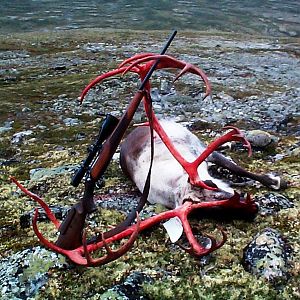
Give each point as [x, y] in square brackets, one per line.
[92, 169]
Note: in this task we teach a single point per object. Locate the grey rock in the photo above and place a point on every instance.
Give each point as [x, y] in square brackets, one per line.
[43, 173]
[71, 122]
[271, 203]
[94, 47]
[165, 87]
[260, 138]
[121, 202]
[6, 127]
[19, 137]
[26, 109]
[155, 95]
[14, 54]
[26, 218]
[268, 256]
[129, 289]
[224, 97]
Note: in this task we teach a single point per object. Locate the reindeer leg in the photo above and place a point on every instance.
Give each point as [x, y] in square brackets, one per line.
[270, 181]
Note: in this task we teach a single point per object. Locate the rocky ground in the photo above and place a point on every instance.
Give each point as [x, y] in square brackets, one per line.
[44, 134]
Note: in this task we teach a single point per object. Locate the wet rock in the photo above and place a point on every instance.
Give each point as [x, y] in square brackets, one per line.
[24, 273]
[43, 173]
[19, 137]
[268, 256]
[26, 218]
[129, 289]
[260, 139]
[271, 203]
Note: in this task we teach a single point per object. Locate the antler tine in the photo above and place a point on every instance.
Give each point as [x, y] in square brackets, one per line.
[191, 167]
[194, 251]
[239, 136]
[37, 199]
[223, 240]
[82, 256]
[42, 239]
[216, 245]
[195, 70]
[111, 254]
[104, 76]
[135, 57]
[247, 204]
[195, 247]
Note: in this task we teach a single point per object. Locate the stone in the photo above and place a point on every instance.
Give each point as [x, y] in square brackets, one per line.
[129, 288]
[26, 218]
[260, 138]
[71, 122]
[43, 173]
[6, 127]
[271, 203]
[19, 137]
[268, 256]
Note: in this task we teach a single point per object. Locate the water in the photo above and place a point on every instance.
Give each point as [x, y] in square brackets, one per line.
[269, 17]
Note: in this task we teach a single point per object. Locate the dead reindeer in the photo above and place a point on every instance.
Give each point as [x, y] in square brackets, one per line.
[179, 180]
[170, 184]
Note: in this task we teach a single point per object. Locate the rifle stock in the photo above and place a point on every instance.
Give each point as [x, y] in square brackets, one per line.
[71, 228]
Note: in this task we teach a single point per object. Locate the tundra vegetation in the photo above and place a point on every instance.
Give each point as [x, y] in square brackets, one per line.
[255, 83]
